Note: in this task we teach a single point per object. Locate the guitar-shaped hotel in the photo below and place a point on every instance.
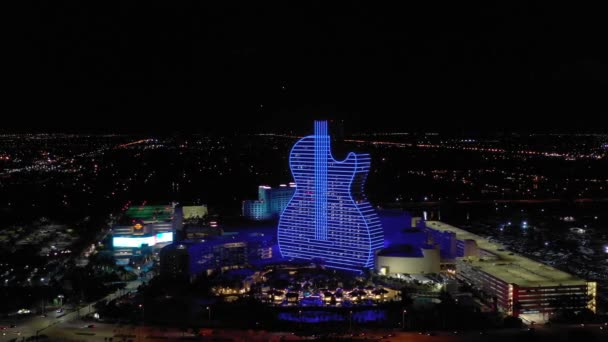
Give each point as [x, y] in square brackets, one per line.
[329, 217]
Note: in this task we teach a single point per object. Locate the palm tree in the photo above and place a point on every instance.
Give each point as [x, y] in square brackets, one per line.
[406, 298]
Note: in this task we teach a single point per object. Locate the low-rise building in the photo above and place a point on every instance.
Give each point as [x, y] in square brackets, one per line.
[517, 285]
[190, 258]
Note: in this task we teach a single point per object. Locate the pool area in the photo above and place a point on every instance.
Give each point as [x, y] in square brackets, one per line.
[322, 316]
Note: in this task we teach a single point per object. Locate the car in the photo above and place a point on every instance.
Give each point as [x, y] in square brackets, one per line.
[60, 310]
[13, 325]
[91, 326]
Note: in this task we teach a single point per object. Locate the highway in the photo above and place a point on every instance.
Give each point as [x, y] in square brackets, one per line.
[69, 328]
[32, 325]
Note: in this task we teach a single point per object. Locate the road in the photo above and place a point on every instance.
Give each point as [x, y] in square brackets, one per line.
[31, 325]
[76, 330]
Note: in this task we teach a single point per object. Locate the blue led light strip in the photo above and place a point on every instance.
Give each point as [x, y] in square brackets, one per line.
[321, 155]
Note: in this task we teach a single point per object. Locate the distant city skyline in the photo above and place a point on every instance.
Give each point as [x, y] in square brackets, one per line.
[283, 122]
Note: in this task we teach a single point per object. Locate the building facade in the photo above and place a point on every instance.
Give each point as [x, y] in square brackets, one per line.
[394, 262]
[191, 258]
[270, 203]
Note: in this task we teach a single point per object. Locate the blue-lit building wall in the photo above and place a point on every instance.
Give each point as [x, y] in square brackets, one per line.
[270, 203]
[448, 244]
[329, 217]
[256, 210]
[190, 258]
[280, 197]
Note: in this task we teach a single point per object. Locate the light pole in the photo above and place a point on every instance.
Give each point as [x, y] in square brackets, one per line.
[403, 319]
[300, 318]
[43, 305]
[60, 300]
[209, 313]
[350, 321]
[143, 314]
[78, 308]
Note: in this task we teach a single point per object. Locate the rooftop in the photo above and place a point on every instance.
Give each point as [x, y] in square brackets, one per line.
[509, 266]
[150, 213]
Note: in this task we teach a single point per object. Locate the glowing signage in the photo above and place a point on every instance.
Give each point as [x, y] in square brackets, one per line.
[138, 229]
[136, 242]
[329, 217]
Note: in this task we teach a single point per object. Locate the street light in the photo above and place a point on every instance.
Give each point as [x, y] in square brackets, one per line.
[209, 312]
[350, 320]
[143, 321]
[403, 319]
[143, 309]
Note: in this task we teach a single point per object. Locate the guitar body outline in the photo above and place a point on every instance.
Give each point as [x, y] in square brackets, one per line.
[329, 217]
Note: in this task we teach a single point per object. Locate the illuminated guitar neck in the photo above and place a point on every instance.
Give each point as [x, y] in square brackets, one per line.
[320, 194]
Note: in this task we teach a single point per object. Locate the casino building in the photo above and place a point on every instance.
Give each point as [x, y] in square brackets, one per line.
[142, 226]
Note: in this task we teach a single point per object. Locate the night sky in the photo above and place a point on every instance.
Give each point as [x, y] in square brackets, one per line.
[429, 64]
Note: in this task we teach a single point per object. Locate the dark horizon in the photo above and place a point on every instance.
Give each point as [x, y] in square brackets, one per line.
[302, 128]
[423, 66]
